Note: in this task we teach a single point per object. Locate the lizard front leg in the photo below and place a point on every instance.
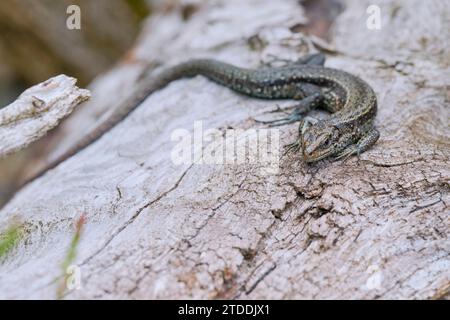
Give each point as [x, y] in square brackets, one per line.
[305, 123]
[363, 144]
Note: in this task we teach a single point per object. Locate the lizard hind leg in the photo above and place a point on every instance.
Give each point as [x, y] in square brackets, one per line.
[300, 109]
[314, 59]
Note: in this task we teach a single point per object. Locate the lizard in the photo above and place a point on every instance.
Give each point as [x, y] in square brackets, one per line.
[351, 101]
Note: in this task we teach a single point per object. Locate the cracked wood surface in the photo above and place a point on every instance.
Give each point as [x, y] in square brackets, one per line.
[376, 226]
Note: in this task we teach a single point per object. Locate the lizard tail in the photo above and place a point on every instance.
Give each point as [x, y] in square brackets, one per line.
[212, 69]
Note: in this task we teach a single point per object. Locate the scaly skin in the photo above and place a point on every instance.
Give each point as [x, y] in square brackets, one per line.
[352, 102]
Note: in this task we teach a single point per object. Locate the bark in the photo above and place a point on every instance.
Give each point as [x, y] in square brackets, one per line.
[374, 226]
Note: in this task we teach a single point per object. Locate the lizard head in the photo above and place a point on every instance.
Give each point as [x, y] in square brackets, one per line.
[322, 140]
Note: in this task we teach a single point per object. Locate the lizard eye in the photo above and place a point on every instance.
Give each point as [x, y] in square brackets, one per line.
[327, 141]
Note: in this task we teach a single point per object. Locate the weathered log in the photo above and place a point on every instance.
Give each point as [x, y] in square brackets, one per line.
[374, 226]
[37, 111]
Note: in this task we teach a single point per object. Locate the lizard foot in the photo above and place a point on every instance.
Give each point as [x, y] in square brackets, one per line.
[300, 109]
[292, 147]
[316, 59]
[347, 152]
[293, 117]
